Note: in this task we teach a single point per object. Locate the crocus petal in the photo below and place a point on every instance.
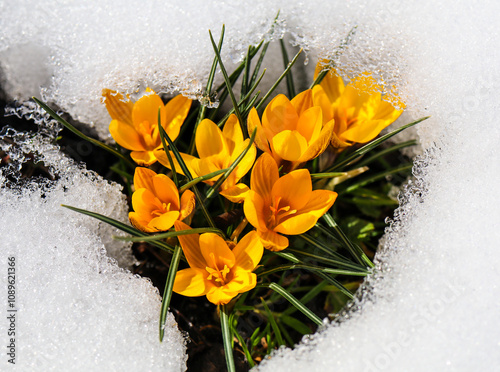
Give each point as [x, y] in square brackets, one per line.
[237, 193]
[162, 157]
[242, 281]
[166, 191]
[165, 221]
[264, 174]
[188, 202]
[145, 202]
[302, 101]
[215, 251]
[319, 203]
[294, 188]
[321, 99]
[296, 224]
[253, 122]
[248, 251]
[190, 246]
[209, 140]
[143, 178]
[143, 158]
[232, 132]
[248, 160]
[118, 108]
[126, 136]
[176, 111]
[254, 208]
[317, 147]
[146, 110]
[310, 124]
[333, 86]
[289, 145]
[192, 282]
[140, 222]
[218, 296]
[279, 115]
[365, 131]
[273, 241]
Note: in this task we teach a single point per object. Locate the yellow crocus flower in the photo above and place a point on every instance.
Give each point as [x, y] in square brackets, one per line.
[359, 112]
[217, 150]
[217, 270]
[293, 132]
[135, 125]
[156, 202]
[286, 205]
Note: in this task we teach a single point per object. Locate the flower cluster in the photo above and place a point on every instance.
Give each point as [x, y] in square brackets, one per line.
[278, 199]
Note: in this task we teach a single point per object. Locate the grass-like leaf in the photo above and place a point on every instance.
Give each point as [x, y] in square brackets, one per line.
[201, 179]
[119, 225]
[171, 234]
[316, 269]
[273, 323]
[165, 148]
[355, 251]
[67, 125]
[386, 151]
[376, 177]
[219, 182]
[169, 285]
[310, 295]
[289, 77]
[226, 338]
[290, 298]
[275, 85]
[371, 145]
[188, 175]
[228, 82]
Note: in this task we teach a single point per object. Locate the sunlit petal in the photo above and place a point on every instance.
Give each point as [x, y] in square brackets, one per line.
[279, 115]
[192, 282]
[164, 221]
[294, 189]
[126, 136]
[176, 111]
[118, 107]
[140, 222]
[255, 210]
[143, 178]
[144, 158]
[232, 133]
[318, 146]
[209, 140]
[264, 175]
[310, 124]
[273, 241]
[242, 281]
[218, 296]
[166, 191]
[190, 246]
[146, 110]
[237, 193]
[248, 251]
[253, 122]
[302, 101]
[319, 203]
[289, 145]
[321, 99]
[188, 202]
[215, 251]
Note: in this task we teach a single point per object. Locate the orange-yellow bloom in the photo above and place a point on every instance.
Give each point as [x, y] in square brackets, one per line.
[286, 205]
[359, 112]
[135, 125]
[293, 132]
[156, 202]
[217, 150]
[216, 270]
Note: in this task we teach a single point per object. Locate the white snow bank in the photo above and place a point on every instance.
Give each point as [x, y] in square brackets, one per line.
[75, 308]
[432, 305]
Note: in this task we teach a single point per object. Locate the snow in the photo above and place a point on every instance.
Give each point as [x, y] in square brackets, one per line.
[431, 304]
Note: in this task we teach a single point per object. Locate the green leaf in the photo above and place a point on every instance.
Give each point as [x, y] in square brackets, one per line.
[226, 338]
[201, 179]
[289, 297]
[275, 85]
[402, 168]
[371, 145]
[289, 78]
[59, 119]
[172, 234]
[272, 321]
[119, 225]
[309, 296]
[228, 83]
[386, 151]
[169, 285]
[295, 324]
[167, 152]
[219, 182]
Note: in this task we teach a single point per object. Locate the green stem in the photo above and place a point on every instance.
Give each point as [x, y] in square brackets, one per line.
[226, 338]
